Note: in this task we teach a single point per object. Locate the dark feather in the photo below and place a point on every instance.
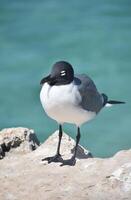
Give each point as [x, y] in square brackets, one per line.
[115, 102]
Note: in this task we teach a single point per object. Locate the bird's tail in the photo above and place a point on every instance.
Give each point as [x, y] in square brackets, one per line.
[109, 103]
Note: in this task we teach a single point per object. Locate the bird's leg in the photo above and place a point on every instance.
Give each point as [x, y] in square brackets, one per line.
[59, 143]
[72, 160]
[57, 156]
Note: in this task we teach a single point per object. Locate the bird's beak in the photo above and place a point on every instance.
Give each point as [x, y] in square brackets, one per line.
[45, 79]
[48, 79]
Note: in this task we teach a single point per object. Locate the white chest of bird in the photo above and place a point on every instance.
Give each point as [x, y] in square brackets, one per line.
[62, 103]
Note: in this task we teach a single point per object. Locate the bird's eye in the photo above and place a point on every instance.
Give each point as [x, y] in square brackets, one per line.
[63, 73]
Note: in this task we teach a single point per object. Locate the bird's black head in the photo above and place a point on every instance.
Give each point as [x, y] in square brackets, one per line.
[62, 73]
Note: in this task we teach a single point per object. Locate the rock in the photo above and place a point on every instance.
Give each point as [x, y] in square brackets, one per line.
[25, 176]
[67, 147]
[122, 176]
[2, 154]
[23, 138]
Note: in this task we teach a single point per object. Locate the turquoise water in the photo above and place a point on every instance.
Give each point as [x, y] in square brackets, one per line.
[94, 36]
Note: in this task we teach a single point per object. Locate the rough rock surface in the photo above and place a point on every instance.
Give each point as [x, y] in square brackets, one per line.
[25, 176]
[20, 137]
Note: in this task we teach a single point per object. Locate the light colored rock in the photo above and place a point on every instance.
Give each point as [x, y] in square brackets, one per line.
[67, 147]
[123, 176]
[20, 137]
[24, 176]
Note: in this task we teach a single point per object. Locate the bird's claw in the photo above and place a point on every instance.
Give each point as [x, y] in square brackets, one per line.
[56, 158]
[70, 162]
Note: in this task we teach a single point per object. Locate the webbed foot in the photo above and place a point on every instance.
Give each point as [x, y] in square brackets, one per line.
[70, 162]
[56, 158]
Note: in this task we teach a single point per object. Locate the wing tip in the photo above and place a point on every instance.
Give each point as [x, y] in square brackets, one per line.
[115, 102]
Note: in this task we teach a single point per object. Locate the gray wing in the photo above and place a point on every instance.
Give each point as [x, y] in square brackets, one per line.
[91, 99]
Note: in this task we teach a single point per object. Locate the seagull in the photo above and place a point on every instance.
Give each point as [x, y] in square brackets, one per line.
[70, 98]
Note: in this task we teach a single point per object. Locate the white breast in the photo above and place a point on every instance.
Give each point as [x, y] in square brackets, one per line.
[61, 103]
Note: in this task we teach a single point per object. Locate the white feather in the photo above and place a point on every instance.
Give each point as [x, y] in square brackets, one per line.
[62, 103]
[108, 105]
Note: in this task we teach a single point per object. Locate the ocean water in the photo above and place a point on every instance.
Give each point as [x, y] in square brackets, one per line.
[94, 36]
